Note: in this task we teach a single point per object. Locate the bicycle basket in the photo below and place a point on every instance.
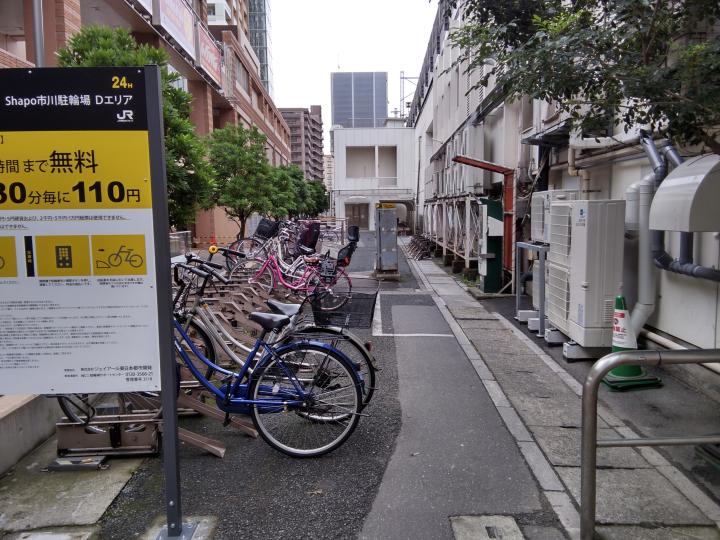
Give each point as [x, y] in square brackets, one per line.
[356, 312]
[267, 228]
[327, 268]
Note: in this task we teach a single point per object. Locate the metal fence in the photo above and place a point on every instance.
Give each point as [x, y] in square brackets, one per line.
[180, 243]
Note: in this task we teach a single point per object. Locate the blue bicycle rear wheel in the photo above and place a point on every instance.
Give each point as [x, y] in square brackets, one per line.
[327, 409]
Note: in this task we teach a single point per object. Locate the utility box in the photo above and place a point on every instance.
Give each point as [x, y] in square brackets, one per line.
[490, 278]
[386, 228]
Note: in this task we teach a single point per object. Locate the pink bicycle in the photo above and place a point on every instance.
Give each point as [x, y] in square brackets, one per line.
[320, 277]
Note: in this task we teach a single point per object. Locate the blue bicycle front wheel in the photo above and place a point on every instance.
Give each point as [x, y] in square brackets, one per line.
[322, 397]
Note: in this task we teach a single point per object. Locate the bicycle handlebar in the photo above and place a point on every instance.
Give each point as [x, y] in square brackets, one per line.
[225, 251]
[214, 274]
[194, 270]
[190, 257]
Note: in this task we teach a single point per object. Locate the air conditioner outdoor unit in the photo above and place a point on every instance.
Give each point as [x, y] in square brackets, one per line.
[540, 212]
[585, 268]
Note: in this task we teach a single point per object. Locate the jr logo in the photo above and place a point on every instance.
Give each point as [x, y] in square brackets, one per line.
[125, 116]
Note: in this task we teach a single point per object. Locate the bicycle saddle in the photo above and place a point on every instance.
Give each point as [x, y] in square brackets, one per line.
[283, 309]
[305, 250]
[269, 321]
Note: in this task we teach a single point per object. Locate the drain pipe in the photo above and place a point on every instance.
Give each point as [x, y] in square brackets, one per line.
[584, 174]
[645, 304]
[662, 259]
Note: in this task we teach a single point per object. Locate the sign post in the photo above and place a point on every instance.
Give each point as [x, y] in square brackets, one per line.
[84, 249]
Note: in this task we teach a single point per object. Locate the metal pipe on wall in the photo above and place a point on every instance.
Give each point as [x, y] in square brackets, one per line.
[645, 304]
[662, 259]
[670, 344]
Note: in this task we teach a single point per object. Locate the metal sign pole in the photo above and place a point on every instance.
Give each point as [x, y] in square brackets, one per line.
[168, 369]
[39, 36]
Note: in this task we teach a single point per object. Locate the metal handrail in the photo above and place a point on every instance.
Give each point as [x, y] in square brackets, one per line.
[588, 456]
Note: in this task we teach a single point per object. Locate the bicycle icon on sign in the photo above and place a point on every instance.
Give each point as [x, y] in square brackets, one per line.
[2, 263]
[122, 256]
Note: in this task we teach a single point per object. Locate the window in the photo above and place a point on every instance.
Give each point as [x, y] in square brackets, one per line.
[387, 161]
[360, 161]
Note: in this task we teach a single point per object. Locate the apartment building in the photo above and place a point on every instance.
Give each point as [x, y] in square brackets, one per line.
[306, 140]
[217, 64]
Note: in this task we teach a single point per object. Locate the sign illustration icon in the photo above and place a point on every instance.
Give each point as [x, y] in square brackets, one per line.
[63, 256]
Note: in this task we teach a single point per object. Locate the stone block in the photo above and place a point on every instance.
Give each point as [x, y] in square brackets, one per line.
[562, 447]
[635, 496]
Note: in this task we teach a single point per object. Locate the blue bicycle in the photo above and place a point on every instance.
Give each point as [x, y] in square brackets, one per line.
[304, 397]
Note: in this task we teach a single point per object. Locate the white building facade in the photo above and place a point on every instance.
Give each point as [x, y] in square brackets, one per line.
[534, 140]
[372, 166]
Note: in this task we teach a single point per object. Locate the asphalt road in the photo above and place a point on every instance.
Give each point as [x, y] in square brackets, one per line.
[433, 447]
[255, 491]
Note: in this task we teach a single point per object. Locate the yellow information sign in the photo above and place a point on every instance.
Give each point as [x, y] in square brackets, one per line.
[62, 256]
[119, 255]
[8, 257]
[74, 170]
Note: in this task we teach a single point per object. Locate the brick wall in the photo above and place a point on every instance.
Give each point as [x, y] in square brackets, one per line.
[8, 60]
[67, 20]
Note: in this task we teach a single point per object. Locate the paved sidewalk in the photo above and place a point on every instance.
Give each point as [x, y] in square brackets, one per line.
[640, 493]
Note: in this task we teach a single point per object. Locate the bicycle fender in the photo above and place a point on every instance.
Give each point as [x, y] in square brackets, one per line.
[347, 334]
[294, 345]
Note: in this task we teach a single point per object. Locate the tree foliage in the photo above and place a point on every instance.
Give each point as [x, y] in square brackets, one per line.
[651, 62]
[318, 199]
[189, 180]
[245, 182]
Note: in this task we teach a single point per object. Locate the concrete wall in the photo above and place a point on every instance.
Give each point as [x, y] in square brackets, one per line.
[25, 422]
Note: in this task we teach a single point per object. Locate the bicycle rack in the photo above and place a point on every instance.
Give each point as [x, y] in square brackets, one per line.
[140, 433]
[590, 443]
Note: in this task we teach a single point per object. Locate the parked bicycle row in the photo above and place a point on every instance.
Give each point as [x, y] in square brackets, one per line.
[266, 333]
[420, 247]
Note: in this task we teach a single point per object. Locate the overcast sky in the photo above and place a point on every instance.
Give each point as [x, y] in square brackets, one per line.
[313, 38]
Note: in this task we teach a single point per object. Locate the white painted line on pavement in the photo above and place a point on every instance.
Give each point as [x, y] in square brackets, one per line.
[377, 318]
[414, 335]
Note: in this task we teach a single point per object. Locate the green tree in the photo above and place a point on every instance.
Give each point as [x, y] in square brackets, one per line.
[318, 198]
[649, 62]
[300, 194]
[189, 179]
[245, 182]
[286, 197]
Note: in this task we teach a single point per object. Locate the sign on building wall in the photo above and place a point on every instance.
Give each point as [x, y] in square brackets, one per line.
[147, 4]
[78, 278]
[209, 54]
[178, 20]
